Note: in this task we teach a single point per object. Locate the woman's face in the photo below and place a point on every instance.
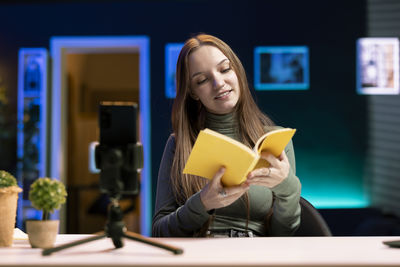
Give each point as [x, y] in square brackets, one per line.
[212, 80]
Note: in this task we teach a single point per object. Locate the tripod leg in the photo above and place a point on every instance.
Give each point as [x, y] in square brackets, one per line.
[48, 251]
[140, 238]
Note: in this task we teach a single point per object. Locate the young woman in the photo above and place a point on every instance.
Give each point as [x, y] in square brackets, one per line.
[212, 92]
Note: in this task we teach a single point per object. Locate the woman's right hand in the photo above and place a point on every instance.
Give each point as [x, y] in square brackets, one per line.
[214, 195]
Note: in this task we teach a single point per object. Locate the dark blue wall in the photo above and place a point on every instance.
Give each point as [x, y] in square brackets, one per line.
[330, 117]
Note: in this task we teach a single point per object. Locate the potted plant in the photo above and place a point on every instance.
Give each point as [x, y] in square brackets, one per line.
[9, 190]
[48, 195]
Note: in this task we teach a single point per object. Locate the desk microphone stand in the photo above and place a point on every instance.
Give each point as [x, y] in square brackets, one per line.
[115, 229]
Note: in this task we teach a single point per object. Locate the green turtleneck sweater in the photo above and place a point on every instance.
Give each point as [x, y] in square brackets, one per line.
[225, 124]
[172, 220]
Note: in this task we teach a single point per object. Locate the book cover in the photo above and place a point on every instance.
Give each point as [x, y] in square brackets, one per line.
[213, 150]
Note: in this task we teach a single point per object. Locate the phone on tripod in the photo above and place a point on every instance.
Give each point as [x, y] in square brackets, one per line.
[119, 156]
[120, 159]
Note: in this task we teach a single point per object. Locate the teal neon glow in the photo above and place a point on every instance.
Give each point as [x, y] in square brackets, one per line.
[334, 192]
[330, 177]
[332, 201]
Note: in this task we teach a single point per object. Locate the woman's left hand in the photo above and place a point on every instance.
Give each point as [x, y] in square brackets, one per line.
[274, 174]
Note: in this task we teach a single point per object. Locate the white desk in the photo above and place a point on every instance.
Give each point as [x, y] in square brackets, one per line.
[289, 251]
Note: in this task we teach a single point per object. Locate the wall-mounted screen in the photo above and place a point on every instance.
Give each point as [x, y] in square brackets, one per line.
[281, 68]
[378, 66]
[172, 51]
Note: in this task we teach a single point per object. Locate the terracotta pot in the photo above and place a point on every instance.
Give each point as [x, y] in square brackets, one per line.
[8, 211]
[42, 234]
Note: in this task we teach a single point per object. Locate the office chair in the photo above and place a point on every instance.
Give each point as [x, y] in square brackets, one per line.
[312, 223]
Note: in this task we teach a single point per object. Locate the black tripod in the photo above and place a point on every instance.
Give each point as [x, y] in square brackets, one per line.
[116, 230]
[120, 159]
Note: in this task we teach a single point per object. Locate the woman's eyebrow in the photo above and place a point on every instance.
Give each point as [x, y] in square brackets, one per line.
[198, 73]
[195, 74]
[222, 61]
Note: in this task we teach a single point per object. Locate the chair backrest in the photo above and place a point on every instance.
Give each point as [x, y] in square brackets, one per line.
[312, 223]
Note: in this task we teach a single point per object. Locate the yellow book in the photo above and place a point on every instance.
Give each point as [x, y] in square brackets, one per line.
[213, 150]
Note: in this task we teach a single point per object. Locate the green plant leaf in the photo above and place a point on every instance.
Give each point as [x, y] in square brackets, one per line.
[7, 179]
[47, 194]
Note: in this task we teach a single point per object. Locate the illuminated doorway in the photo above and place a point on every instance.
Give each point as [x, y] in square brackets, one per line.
[74, 96]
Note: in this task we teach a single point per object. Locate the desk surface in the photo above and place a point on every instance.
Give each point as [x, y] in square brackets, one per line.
[265, 251]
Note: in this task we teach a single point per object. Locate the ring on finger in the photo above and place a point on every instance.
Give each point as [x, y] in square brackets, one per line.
[222, 192]
[269, 171]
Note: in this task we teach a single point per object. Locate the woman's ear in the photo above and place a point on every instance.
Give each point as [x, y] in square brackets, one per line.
[193, 95]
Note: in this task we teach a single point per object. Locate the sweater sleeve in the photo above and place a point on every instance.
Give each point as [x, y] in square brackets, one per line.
[170, 219]
[286, 208]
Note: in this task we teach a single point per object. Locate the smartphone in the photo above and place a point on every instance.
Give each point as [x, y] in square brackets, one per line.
[118, 156]
[117, 121]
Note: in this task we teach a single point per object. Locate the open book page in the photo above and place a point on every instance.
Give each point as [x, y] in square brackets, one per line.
[274, 142]
[213, 150]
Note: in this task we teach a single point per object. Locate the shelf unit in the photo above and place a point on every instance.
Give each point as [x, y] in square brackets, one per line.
[31, 126]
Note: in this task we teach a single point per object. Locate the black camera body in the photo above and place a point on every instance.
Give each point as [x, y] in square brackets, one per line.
[118, 156]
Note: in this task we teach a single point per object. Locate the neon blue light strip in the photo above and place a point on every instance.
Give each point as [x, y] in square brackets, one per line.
[278, 50]
[59, 47]
[145, 126]
[56, 147]
[172, 51]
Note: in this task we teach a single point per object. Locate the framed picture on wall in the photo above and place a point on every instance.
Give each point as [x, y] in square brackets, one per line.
[172, 51]
[378, 66]
[281, 68]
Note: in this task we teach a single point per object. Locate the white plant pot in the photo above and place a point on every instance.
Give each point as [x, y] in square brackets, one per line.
[8, 212]
[42, 234]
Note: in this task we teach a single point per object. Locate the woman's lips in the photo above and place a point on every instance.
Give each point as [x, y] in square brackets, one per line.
[224, 94]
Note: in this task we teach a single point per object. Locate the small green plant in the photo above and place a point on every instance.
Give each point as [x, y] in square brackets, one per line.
[7, 179]
[47, 194]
